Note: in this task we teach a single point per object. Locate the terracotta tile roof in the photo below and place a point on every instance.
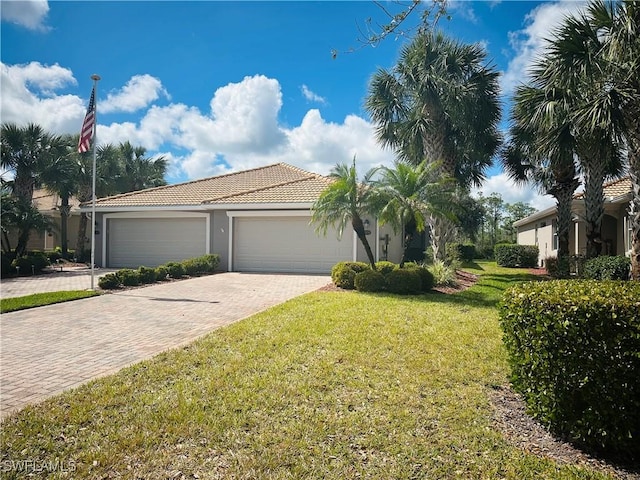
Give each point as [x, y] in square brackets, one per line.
[279, 183]
[613, 189]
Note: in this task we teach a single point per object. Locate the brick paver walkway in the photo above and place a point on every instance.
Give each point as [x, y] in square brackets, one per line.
[46, 350]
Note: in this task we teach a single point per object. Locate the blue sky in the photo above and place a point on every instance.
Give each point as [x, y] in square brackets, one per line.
[223, 86]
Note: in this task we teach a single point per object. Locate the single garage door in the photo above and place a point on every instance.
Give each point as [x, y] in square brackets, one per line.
[286, 244]
[132, 242]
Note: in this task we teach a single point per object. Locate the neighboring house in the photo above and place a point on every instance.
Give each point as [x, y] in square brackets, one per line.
[541, 228]
[49, 204]
[256, 220]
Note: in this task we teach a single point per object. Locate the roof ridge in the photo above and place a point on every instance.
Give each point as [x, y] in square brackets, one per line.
[259, 189]
[198, 180]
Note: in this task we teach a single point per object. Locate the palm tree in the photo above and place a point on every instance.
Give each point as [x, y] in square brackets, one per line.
[18, 214]
[439, 104]
[137, 171]
[598, 54]
[25, 150]
[550, 165]
[346, 200]
[60, 176]
[409, 195]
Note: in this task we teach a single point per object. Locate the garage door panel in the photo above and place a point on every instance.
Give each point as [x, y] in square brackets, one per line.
[286, 244]
[153, 241]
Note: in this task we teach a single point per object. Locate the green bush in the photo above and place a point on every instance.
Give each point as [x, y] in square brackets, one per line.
[404, 281]
[128, 277]
[443, 274]
[509, 255]
[553, 264]
[385, 267]
[427, 279]
[193, 266]
[460, 252]
[109, 281]
[211, 261]
[175, 269]
[7, 267]
[343, 274]
[607, 268]
[54, 255]
[162, 273]
[574, 351]
[147, 275]
[32, 262]
[369, 281]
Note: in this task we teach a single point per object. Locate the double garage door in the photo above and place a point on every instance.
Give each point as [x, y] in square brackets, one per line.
[260, 244]
[286, 244]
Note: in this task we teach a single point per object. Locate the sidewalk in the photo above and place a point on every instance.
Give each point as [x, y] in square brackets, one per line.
[71, 278]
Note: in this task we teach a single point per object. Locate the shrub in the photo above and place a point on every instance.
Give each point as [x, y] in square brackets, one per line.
[211, 261]
[128, 277]
[175, 269]
[7, 259]
[607, 268]
[443, 274]
[192, 266]
[109, 281]
[427, 279]
[385, 267]
[552, 265]
[369, 281]
[147, 275]
[574, 350]
[33, 262]
[508, 255]
[343, 274]
[162, 273]
[404, 281]
[54, 255]
[460, 252]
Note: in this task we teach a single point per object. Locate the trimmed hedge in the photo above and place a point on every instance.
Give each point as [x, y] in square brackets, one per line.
[574, 351]
[344, 274]
[175, 269]
[146, 274]
[460, 252]
[109, 281]
[128, 277]
[404, 281]
[385, 267]
[427, 279]
[162, 273]
[509, 255]
[370, 281]
[608, 268]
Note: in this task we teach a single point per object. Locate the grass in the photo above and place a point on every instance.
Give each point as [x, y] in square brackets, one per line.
[330, 385]
[41, 299]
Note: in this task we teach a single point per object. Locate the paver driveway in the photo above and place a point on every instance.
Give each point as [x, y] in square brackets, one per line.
[46, 350]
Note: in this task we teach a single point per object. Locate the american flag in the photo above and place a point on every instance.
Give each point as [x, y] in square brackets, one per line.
[86, 134]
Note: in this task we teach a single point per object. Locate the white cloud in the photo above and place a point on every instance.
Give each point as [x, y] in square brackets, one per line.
[312, 96]
[139, 92]
[462, 9]
[513, 193]
[30, 14]
[529, 42]
[27, 95]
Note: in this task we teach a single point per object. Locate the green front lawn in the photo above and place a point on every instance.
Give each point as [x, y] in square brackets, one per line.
[331, 385]
[41, 299]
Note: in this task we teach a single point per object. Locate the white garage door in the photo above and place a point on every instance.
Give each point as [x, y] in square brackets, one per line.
[132, 242]
[286, 244]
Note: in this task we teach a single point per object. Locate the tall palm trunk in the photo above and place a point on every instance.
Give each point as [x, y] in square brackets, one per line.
[358, 227]
[65, 209]
[634, 172]
[563, 193]
[594, 175]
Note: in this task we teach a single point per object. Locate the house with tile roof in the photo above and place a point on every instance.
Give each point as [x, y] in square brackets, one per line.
[541, 228]
[49, 204]
[257, 220]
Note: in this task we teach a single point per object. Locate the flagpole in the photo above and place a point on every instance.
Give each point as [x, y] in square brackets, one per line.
[95, 79]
